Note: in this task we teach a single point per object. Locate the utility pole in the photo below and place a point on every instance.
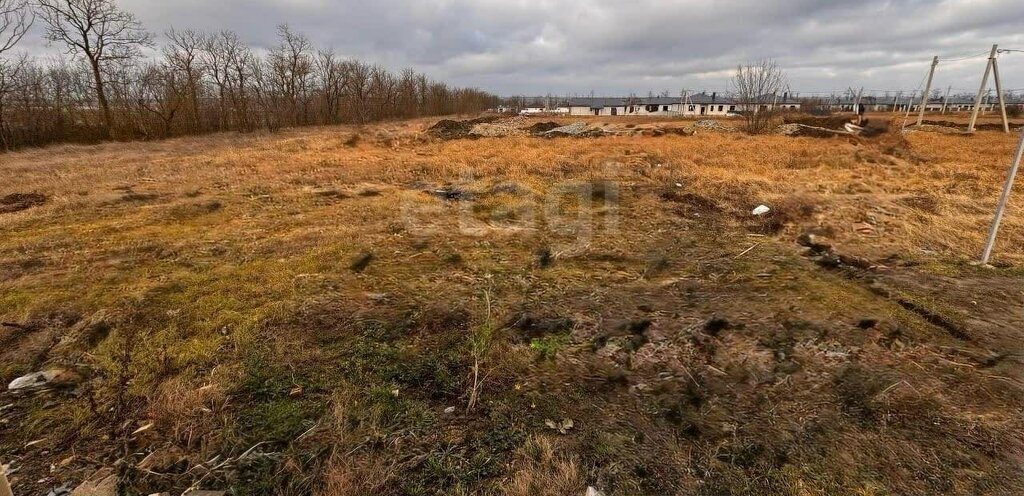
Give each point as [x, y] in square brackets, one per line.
[927, 91]
[910, 104]
[999, 94]
[981, 90]
[896, 101]
[945, 101]
[1003, 199]
[856, 106]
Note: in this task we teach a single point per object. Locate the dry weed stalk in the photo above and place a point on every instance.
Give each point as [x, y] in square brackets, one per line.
[480, 347]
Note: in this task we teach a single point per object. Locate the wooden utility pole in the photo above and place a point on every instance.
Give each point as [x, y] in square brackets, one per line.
[910, 104]
[999, 94]
[1003, 200]
[945, 101]
[927, 91]
[981, 90]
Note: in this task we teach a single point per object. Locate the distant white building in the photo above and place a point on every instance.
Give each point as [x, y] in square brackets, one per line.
[687, 105]
[625, 106]
[539, 110]
[533, 110]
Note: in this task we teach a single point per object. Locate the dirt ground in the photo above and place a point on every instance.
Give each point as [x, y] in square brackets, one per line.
[346, 311]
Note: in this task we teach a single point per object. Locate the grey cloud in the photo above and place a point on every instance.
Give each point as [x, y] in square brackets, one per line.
[616, 46]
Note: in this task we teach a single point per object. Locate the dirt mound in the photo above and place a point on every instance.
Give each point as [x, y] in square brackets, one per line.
[826, 127]
[664, 131]
[931, 128]
[713, 125]
[452, 129]
[677, 131]
[501, 128]
[575, 130]
[828, 122]
[874, 128]
[15, 202]
[995, 126]
[542, 127]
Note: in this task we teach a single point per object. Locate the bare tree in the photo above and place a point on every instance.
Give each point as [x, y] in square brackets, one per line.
[381, 92]
[99, 31]
[201, 79]
[228, 62]
[407, 101]
[357, 90]
[10, 82]
[161, 94]
[331, 74]
[183, 56]
[291, 65]
[15, 19]
[241, 64]
[756, 86]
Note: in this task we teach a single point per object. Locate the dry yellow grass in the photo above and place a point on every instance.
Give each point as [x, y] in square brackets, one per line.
[227, 265]
[954, 188]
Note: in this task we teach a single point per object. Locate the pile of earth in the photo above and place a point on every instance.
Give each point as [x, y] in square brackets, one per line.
[505, 127]
[828, 122]
[829, 126]
[994, 126]
[542, 127]
[574, 130]
[662, 131]
[452, 129]
[713, 125]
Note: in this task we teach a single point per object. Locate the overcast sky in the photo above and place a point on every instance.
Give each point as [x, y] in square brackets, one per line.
[615, 47]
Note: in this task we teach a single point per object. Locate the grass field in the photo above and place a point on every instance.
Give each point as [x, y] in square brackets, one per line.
[346, 311]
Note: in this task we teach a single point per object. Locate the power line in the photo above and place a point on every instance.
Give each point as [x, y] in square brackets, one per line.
[959, 58]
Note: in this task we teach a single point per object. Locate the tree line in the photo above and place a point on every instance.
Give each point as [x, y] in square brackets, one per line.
[103, 87]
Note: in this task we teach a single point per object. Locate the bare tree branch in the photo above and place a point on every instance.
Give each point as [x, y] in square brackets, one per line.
[97, 30]
[16, 17]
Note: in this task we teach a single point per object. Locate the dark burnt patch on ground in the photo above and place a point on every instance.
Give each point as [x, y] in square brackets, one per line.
[16, 202]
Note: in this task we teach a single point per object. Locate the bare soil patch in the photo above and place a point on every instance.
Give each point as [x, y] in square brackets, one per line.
[16, 202]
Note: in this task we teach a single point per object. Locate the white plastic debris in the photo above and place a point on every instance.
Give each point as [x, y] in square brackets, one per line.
[44, 378]
[592, 491]
[761, 210]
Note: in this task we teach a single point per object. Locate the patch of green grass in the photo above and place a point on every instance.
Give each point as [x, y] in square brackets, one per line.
[455, 467]
[278, 420]
[548, 346]
[53, 422]
[433, 369]
[387, 408]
